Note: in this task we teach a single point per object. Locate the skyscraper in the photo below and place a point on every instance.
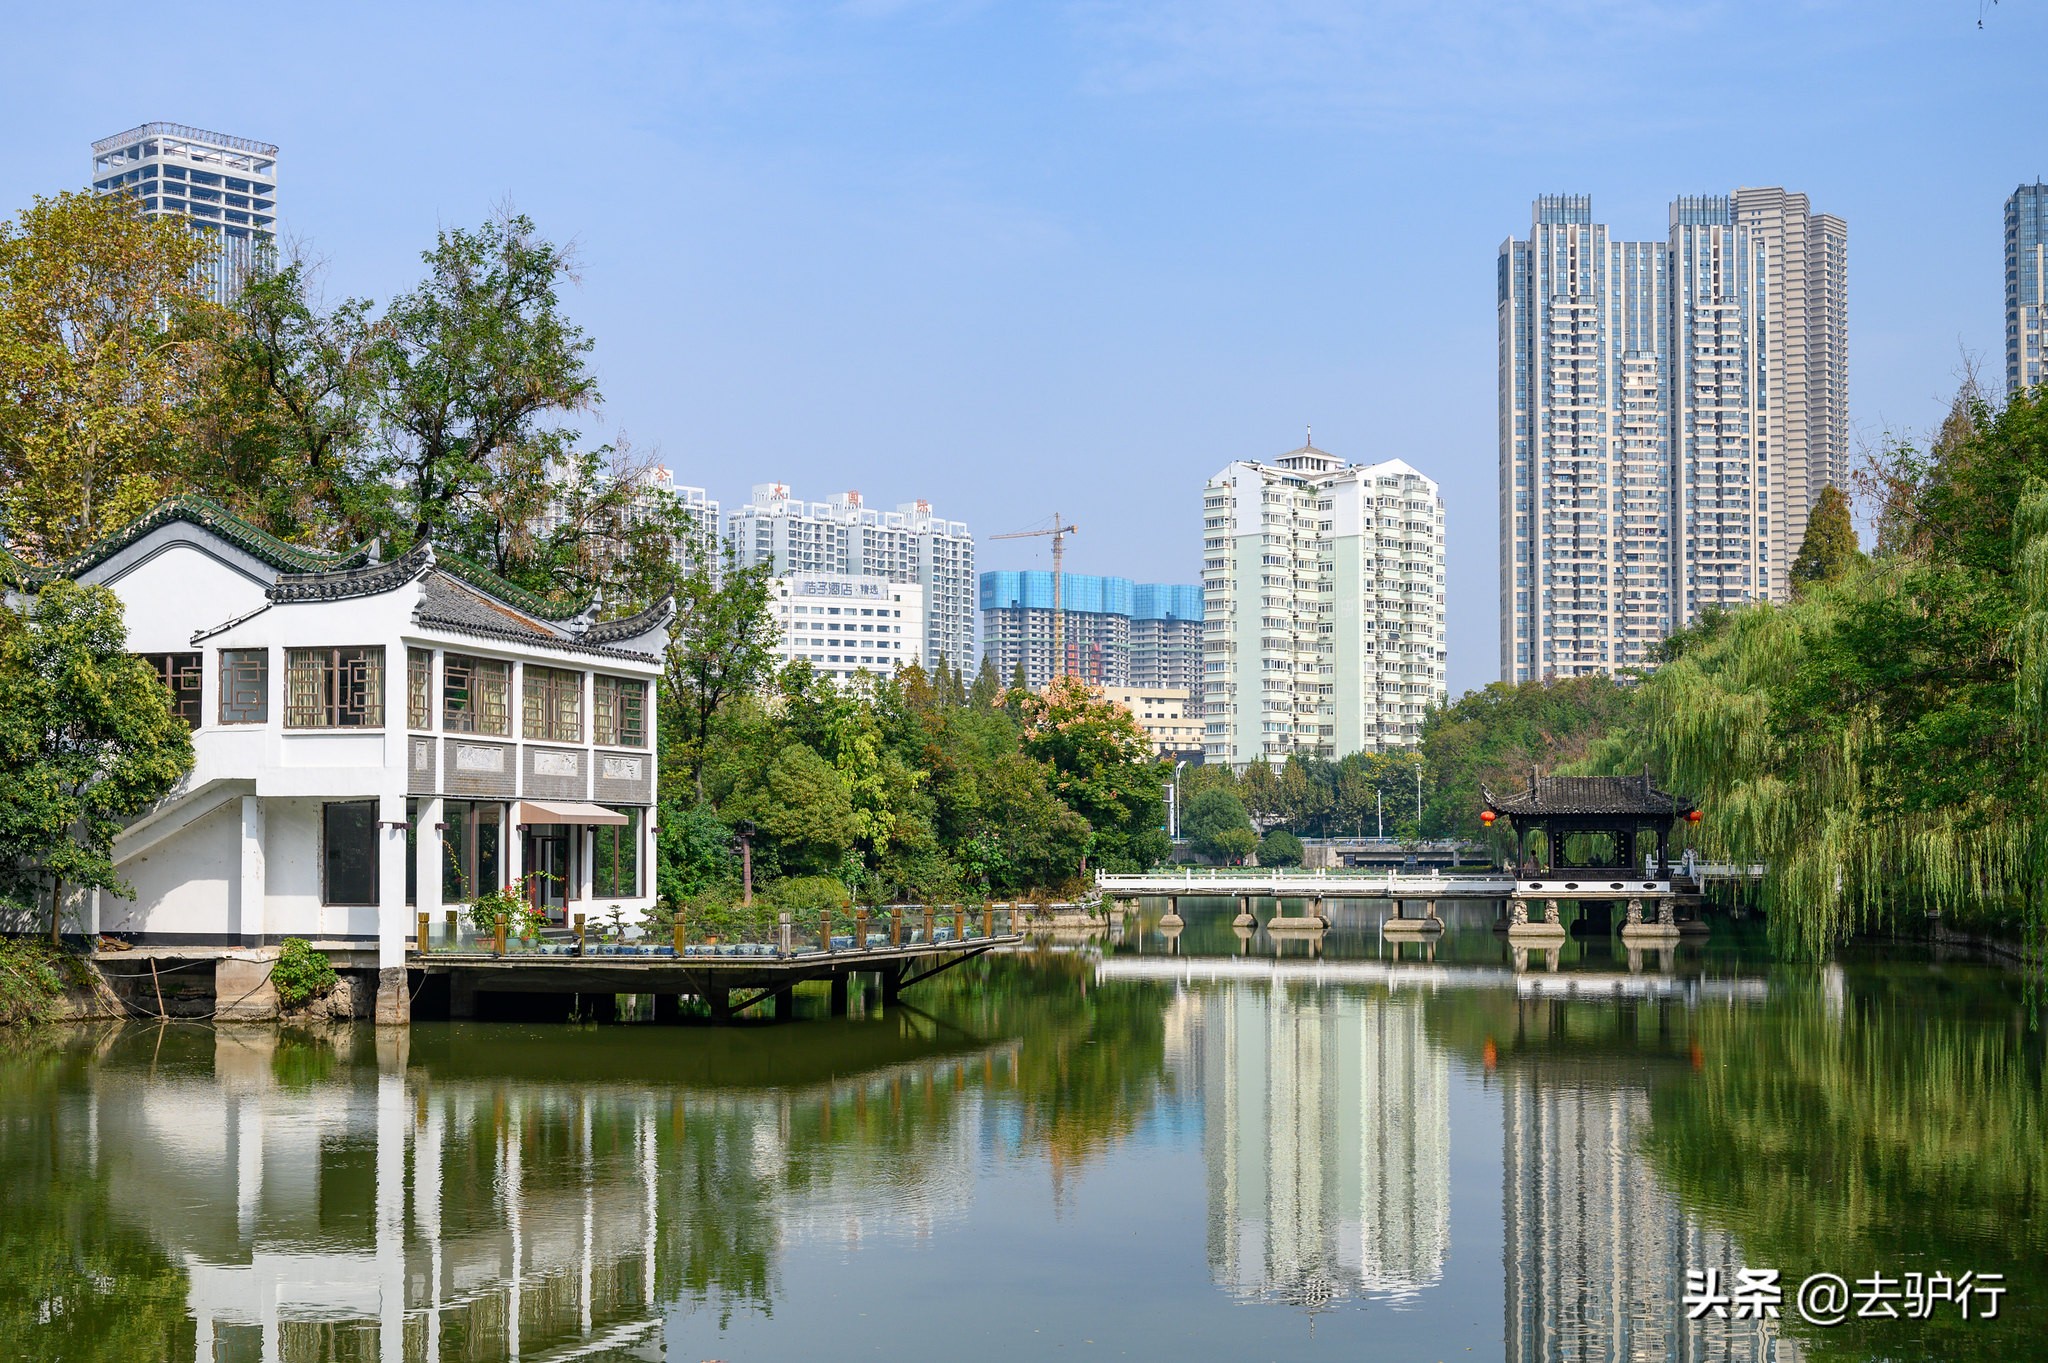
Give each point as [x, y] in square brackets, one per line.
[1669, 413]
[1118, 632]
[2026, 287]
[1323, 607]
[909, 544]
[224, 187]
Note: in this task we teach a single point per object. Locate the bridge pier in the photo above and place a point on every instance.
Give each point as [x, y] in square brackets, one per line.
[1171, 918]
[1399, 925]
[1521, 929]
[1638, 932]
[1245, 917]
[840, 995]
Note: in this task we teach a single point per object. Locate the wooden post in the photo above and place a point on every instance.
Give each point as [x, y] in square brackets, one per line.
[498, 937]
[896, 926]
[423, 933]
[681, 934]
[929, 915]
[582, 937]
[959, 922]
[988, 920]
[860, 929]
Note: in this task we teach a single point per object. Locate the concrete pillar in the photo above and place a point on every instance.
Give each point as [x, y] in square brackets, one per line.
[429, 857]
[586, 872]
[394, 919]
[242, 988]
[785, 1005]
[719, 1000]
[250, 889]
[839, 995]
[394, 997]
[1171, 918]
[892, 984]
[1245, 917]
[461, 995]
[668, 1008]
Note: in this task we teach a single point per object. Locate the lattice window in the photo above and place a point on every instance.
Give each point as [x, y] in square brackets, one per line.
[181, 674]
[334, 688]
[553, 704]
[476, 695]
[244, 685]
[419, 688]
[618, 711]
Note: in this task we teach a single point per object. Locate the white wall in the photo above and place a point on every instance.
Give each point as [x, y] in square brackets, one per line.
[189, 880]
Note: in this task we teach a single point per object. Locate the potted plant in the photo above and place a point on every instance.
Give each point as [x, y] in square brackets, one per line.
[509, 908]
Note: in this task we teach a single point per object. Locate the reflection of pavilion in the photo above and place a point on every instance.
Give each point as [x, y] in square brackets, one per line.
[374, 1212]
[1595, 1250]
[1326, 1131]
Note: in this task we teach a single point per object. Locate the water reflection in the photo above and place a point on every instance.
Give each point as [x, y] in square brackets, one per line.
[1326, 1140]
[1390, 1156]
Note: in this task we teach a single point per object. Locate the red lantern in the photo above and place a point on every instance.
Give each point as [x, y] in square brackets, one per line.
[1693, 817]
[1486, 816]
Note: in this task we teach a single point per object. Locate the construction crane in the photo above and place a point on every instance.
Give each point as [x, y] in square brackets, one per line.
[1059, 532]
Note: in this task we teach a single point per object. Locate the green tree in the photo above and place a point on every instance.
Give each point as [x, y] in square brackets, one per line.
[472, 372]
[87, 739]
[1102, 766]
[721, 646]
[987, 691]
[101, 320]
[802, 805]
[1829, 548]
[1280, 848]
[1213, 816]
[1493, 738]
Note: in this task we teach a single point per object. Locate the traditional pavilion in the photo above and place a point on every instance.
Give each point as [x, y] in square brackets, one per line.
[1585, 838]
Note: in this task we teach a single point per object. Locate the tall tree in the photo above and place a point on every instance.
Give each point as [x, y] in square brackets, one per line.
[474, 369]
[281, 431]
[1829, 548]
[101, 311]
[87, 740]
[722, 647]
[1102, 766]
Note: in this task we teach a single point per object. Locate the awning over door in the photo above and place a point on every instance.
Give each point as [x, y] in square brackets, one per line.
[564, 811]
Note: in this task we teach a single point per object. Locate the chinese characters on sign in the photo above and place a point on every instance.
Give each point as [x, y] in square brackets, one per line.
[828, 587]
[1829, 1299]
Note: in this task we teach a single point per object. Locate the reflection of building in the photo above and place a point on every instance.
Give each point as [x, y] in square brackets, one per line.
[1326, 1131]
[319, 1205]
[1595, 1250]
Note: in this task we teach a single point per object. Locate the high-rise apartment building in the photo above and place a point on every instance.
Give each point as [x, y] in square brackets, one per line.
[701, 545]
[223, 187]
[1669, 413]
[2026, 287]
[1323, 602]
[1116, 632]
[909, 544]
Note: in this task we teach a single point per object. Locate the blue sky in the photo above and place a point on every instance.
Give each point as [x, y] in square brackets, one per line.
[1077, 256]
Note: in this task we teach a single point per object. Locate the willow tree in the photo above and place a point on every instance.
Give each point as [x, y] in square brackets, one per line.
[1878, 743]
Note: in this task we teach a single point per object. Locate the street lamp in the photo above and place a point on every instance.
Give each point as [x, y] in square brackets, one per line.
[1173, 813]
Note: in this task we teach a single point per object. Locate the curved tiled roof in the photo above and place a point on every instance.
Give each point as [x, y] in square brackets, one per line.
[631, 626]
[369, 580]
[202, 511]
[1620, 795]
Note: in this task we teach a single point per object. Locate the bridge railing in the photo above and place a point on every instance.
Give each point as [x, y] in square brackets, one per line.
[849, 930]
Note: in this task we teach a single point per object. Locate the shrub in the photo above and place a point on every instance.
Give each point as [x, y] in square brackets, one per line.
[31, 984]
[301, 973]
[1280, 848]
[508, 906]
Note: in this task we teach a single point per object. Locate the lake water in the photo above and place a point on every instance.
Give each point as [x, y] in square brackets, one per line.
[1208, 1148]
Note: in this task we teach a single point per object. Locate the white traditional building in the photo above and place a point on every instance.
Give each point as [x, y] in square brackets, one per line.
[373, 741]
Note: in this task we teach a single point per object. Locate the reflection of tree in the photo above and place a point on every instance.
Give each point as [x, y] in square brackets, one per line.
[1093, 1056]
[84, 1284]
[1882, 1135]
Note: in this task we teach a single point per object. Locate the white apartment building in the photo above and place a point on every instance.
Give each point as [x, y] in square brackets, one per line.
[702, 544]
[222, 187]
[1323, 604]
[844, 625]
[842, 536]
[1669, 413]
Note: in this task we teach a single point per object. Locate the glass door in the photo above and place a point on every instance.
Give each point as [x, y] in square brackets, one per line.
[547, 864]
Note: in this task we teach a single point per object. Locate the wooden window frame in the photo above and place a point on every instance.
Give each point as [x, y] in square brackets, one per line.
[479, 682]
[551, 704]
[184, 677]
[320, 692]
[238, 685]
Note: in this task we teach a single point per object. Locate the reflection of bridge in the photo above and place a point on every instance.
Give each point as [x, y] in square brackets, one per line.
[1590, 984]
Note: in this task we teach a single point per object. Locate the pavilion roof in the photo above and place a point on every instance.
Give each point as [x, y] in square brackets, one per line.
[1589, 795]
